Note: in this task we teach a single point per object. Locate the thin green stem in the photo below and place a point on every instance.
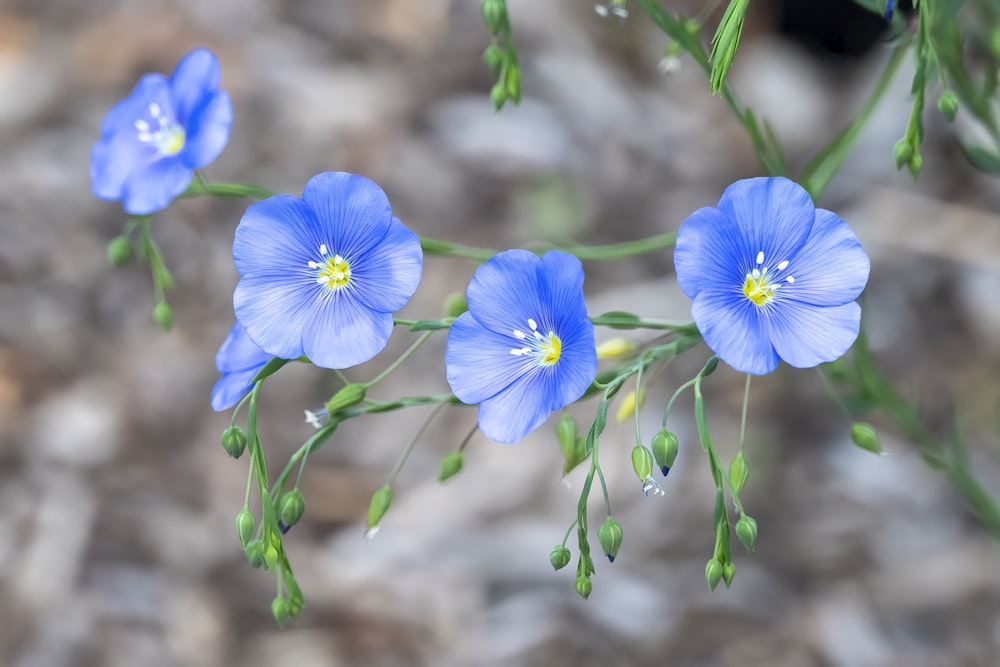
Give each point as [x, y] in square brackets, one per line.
[743, 416]
[635, 410]
[610, 251]
[677, 393]
[401, 461]
[406, 355]
[569, 531]
[468, 437]
[246, 498]
[199, 187]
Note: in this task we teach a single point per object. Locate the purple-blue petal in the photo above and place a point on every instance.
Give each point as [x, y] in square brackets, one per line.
[231, 387]
[114, 160]
[208, 130]
[278, 237]
[193, 81]
[804, 335]
[386, 277]
[275, 310]
[239, 353]
[504, 293]
[513, 413]
[733, 328]
[831, 269]
[153, 188]
[353, 212]
[478, 362]
[342, 332]
[709, 252]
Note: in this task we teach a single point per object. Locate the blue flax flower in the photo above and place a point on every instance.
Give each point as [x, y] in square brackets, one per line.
[322, 275]
[154, 139]
[771, 277]
[238, 360]
[525, 346]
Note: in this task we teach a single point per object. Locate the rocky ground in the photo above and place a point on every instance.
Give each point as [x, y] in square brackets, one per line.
[116, 540]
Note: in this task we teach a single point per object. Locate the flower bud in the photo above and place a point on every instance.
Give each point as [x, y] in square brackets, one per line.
[234, 441]
[119, 251]
[270, 557]
[566, 433]
[665, 448]
[710, 366]
[902, 151]
[916, 163]
[642, 462]
[280, 610]
[451, 465]
[493, 58]
[866, 437]
[381, 500]
[629, 405]
[583, 586]
[291, 505]
[610, 537]
[245, 524]
[559, 557]
[346, 397]
[614, 348]
[947, 104]
[513, 83]
[498, 95]
[163, 315]
[455, 304]
[746, 531]
[713, 573]
[254, 551]
[494, 15]
[738, 472]
[729, 573]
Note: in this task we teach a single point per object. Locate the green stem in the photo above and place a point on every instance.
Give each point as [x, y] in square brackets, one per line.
[743, 416]
[401, 461]
[406, 355]
[199, 186]
[618, 321]
[610, 251]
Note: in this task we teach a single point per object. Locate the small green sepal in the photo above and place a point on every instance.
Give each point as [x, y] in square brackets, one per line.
[610, 537]
[729, 573]
[348, 395]
[902, 152]
[498, 95]
[234, 441]
[866, 437]
[381, 500]
[559, 557]
[451, 465]
[493, 58]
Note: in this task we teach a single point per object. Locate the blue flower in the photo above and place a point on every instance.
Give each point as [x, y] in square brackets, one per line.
[154, 139]
[771, 277]
[322, 275]
[525, 346]
[890, 5]
[238, 360]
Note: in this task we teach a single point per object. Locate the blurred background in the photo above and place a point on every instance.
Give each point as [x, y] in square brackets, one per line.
[117, 502]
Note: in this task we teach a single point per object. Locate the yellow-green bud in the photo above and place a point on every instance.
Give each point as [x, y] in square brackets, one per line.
[381, 500]
[713, 573]
[665, 446]
[642, 462]
[270, 557]
[245, 524]
[610, 537]
[559, 557]
[513, 82]
[729, 573]
[290, 508]
[346, 397]
[584, 586]
[916, 163]
[614, 348]
[234, 441]
[163, 315]
[902, 152]
[629, 405]
[255, 553]
[451, 465]
[493, 58]
[746, 532]
[866, 437]
[119, 250]
[947, 104]
[498, 95]
[494, 15]
[455, 304]
[279, 608]
[738, 472]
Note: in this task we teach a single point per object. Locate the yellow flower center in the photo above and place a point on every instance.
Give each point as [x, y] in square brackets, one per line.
[546, 349]
[761, 284]
[333, 271]
[550, 348]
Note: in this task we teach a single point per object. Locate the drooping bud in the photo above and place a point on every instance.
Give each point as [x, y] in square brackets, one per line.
[916, 164]
[451, 465]
[902, 151]
[610, 537]
[455, 304]
[729, 573]
[584, 586]
[381, 500]
[255, 553]
[559, 557]
[494, 15]
[629, 405]
[270, 557]
[234, 441]
[614, 348]
[119, 251]
[738, 472]
[513, 83]
[642, 462]
[746, 532]
[866, 437]
[280, 610]
[498, 95]
[947, 104]
[291, 505]
[710, 366]
[245, 524]
[163, 315]
[713, 573]
[493, 59]
[346, 397]
[665, 446]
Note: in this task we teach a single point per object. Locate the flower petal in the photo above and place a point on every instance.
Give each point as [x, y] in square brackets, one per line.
[832, 268]
[208, 130]
[231, 387]
[385, 278]
[709, 253]
[343, 333]
[239, 353]
[353, 212]
[478, 362]
[122, 116]
[195, 77]
[732, 327]
[773, 216]
[153, 188]
[805, 336]
[278, 237]
[275, 310]
[113, 160]
[504, 292]
[518, 410]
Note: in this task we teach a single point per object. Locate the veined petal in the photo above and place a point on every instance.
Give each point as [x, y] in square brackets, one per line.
[710, 252]
[513, 413]
[353, 212]
[231, 387]
[122, 116]
[208, 130]
[278, 237]
[732, 327]
[831, 269]
[342, 332]
[239, 353]
[275, 310]
[153, 188]
[195, 78]
[504, 292]
[773, 215]
[576, 368]
[385, 278]
[805, 335]
[560, 284]
[114, 160]
[478, 362]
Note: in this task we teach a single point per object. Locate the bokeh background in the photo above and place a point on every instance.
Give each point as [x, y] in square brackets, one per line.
[117, 545]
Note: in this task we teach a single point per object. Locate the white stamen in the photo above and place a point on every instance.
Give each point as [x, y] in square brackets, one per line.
[790, 279]
[312, 265]
[760, 257]
[783, 265]
[518, 334]
[620, 12]
[755, 273]
[532, 324]
[322, 249]
[142, 125]
[520, 351]
[155, 111]
[601, 10]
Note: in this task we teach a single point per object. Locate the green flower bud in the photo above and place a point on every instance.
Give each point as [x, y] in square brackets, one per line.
[665, 447]
[513, 84]
[642, 462]
[710, 366]
[902, 152]
[738, 472]
[255, 553]
[455, 304]
[270, 557]
[728, 573]
[713, 573]
[916, 164]
[566, 433]
[494, 15]
[866, 437]
[498, 95]
[451, 465]
[280, 610]
[610, 537]
[746, 531]
[291, 505]
[245, 524]
[346, 397]
[163, 315]
[583, 586]
[381, 500]
[234, 441]
[559, 557]
[947, 104]
[119, 251]
[493, 58]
